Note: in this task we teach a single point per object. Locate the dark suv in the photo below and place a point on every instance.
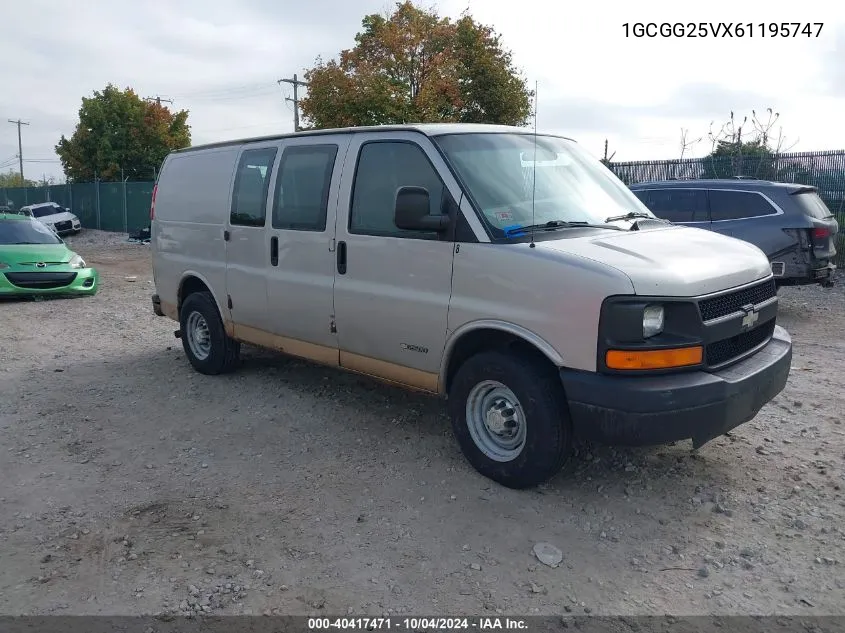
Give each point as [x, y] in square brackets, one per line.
[789, 222]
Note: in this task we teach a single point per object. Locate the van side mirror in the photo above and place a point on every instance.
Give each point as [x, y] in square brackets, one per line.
[412, 211]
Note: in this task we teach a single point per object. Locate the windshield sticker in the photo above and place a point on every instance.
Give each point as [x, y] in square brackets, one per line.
[504, 216]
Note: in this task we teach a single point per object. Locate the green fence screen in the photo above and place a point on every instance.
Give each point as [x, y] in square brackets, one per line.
[108, 206]
[83, 202]
[138, 197]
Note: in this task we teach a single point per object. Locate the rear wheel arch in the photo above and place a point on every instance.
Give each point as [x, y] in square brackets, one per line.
[194, 282]
[481, 337]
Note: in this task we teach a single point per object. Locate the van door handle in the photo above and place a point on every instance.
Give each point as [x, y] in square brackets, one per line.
[341, 258]
[274, 251]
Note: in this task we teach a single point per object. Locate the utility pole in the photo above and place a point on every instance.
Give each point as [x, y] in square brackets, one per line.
[606, 160]
[19, 123]
[158, 100]
[296, 83]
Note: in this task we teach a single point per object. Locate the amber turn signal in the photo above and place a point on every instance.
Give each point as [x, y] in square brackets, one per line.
[654, 358]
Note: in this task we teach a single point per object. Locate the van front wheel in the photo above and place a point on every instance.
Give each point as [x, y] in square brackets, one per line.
[204, 339]
[510, 418]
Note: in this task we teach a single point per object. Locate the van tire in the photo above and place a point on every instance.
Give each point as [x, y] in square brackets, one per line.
[223, 352]
[547, 443]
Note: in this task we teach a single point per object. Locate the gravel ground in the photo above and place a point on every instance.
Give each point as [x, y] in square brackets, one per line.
[131, 484]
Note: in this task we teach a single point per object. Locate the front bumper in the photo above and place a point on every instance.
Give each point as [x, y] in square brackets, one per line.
[85, 281]
[647, 411]
[76, 228]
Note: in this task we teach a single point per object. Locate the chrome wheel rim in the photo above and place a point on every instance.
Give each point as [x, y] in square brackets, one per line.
[199, 338]
[496, 421]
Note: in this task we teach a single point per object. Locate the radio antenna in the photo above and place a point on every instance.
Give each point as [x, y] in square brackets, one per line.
[534, 168]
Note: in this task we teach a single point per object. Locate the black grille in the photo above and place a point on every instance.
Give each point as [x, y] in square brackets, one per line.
[40, 281]
[65, 225]
[733, 302]
[729, 348]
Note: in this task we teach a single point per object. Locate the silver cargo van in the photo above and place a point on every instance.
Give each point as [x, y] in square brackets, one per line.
[509, 272]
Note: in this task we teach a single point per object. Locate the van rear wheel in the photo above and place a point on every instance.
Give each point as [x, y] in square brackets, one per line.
[510, 418]
[209, 349]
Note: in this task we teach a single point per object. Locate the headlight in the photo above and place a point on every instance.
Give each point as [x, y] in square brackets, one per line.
[652, 320]
[77, 262]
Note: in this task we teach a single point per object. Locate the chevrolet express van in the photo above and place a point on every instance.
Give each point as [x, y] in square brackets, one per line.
[509, 272]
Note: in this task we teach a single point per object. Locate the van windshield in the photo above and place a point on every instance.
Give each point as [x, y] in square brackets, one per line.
[571, 185]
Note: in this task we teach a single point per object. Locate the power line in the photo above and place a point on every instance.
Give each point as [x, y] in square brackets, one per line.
[19, 123]
[295, 83]
[255, 93]
[215, 93]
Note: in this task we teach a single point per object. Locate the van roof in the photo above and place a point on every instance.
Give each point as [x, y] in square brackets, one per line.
[429, 129]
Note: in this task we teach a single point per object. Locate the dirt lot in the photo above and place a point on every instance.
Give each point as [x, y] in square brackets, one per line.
[131, 484]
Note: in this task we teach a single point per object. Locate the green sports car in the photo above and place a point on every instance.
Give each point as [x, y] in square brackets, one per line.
[35, 261]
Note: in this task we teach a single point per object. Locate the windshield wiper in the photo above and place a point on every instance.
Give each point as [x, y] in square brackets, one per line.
[552, 225]
[22, 243]
[632, 216]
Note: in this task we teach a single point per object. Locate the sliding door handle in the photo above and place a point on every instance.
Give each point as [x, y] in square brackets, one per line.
[341, 258]
[274, 251]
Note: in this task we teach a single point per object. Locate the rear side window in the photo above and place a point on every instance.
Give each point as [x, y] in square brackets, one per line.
[736, 205]
[811, 204]
[302, 187]
[676, 205]
[249, 201]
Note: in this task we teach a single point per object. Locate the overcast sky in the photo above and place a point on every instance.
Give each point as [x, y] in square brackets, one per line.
[221, 60]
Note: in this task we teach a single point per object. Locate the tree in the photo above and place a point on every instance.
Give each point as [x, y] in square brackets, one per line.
[415, 66]
[121, 135]
[737, 150]
[12, 178]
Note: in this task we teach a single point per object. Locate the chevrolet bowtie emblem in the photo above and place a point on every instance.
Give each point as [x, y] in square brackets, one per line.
[750, 318]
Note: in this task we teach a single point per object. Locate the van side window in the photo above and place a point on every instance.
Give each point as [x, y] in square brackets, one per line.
[302, 187]
[676, 205]
[249, 201]
[735, 205]
[384, 167]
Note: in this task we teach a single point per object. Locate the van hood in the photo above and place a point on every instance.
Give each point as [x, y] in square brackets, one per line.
[672, 261]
